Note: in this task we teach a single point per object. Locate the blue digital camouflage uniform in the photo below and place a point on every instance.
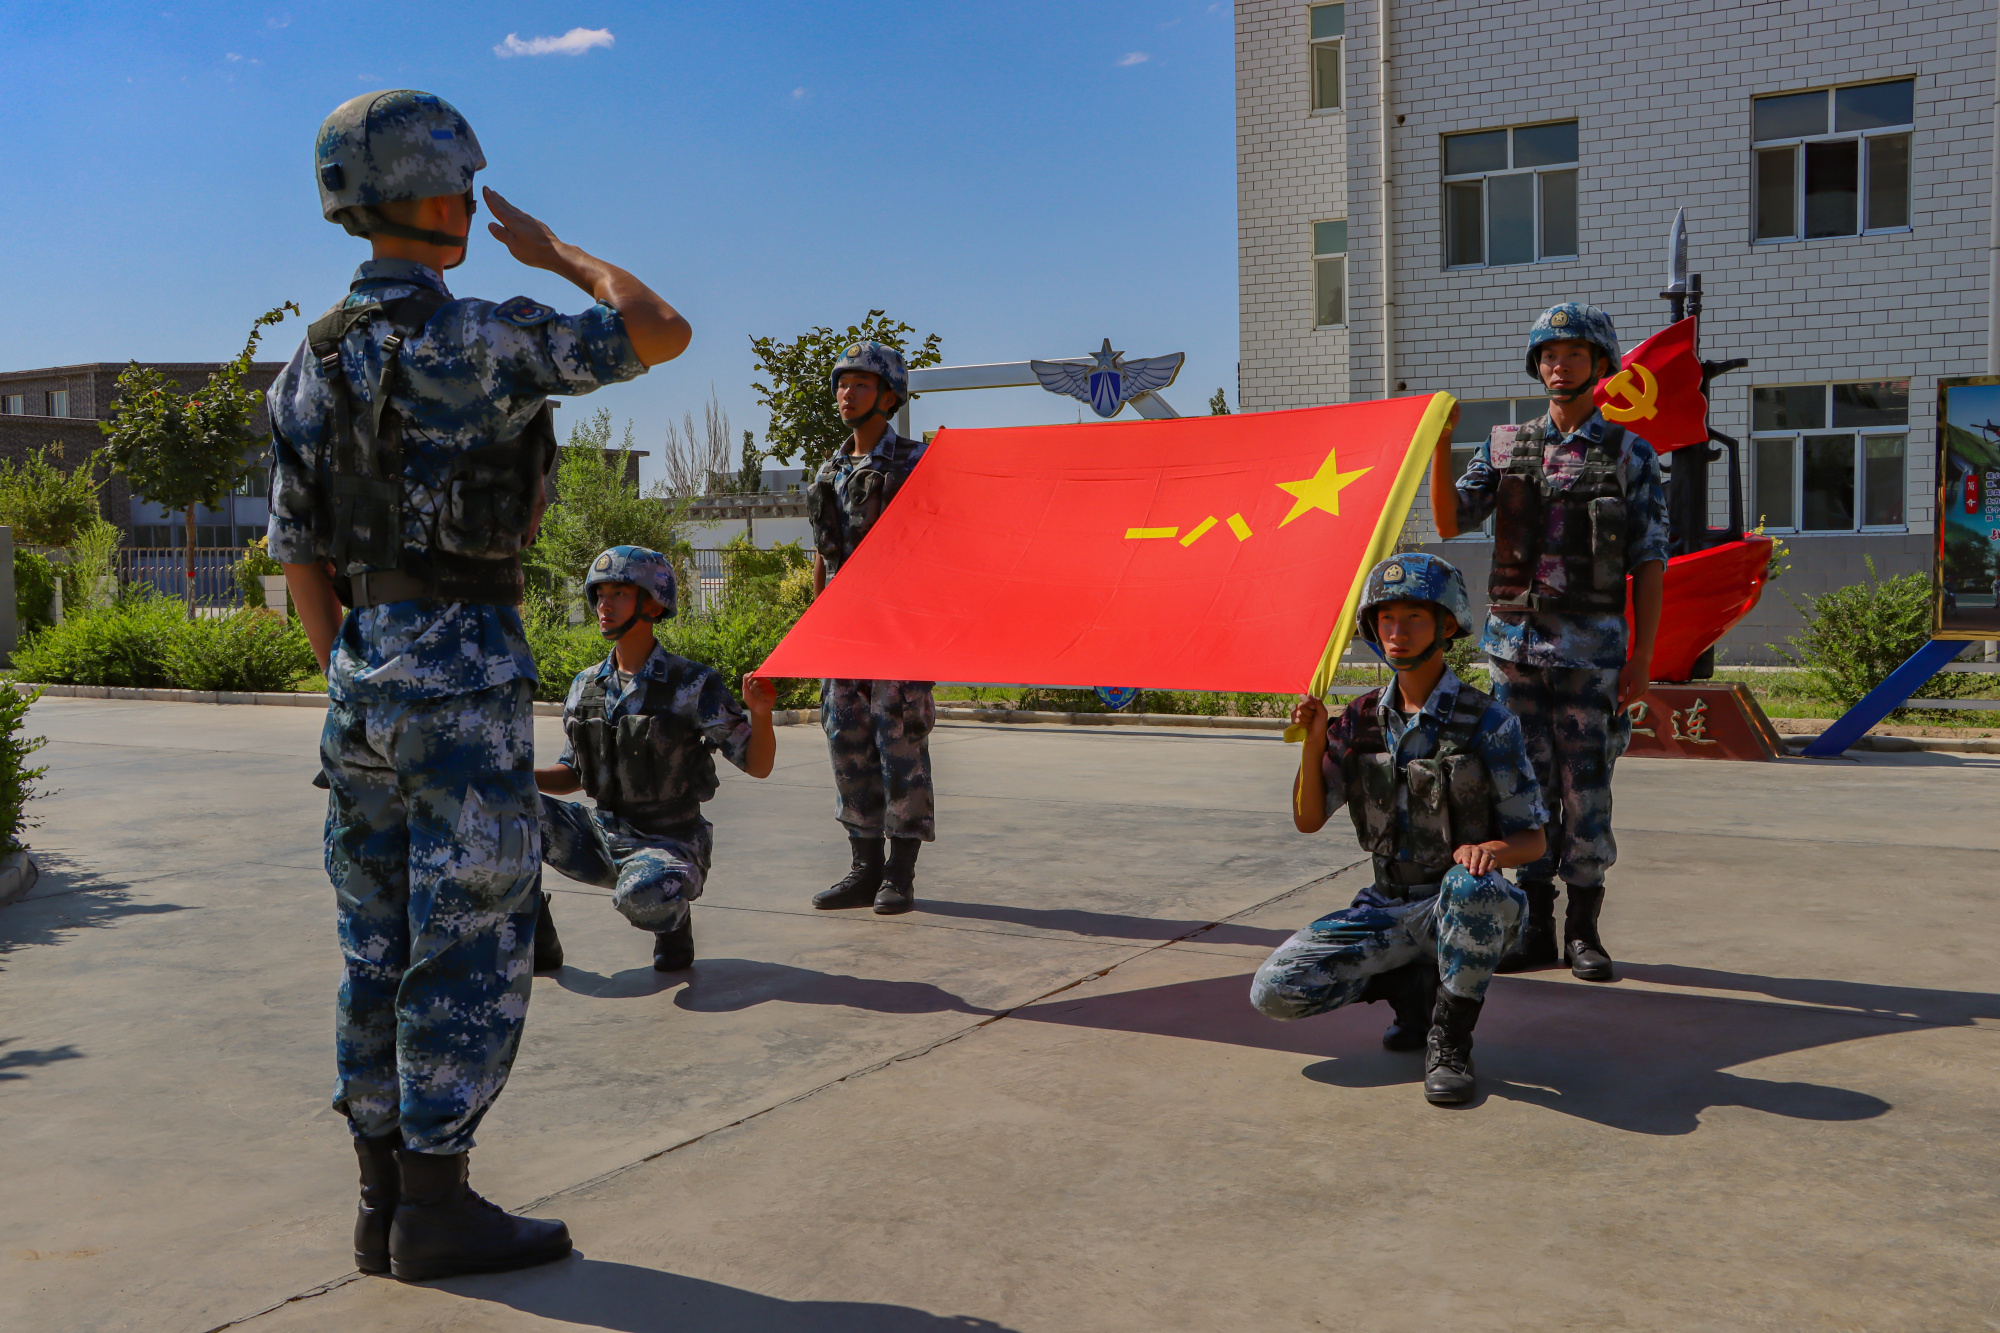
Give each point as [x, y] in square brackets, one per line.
[432, 839]
[1558, 672]
[654, 870]
[877, 731]
[1466, 922]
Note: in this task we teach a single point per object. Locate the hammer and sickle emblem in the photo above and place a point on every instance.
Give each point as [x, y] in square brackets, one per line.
[1642, 392]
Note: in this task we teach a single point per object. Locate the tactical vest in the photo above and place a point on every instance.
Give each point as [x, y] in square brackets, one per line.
[1581, 525]
[1451, 794]
[489, 497]
[653, 767]
[838, 529]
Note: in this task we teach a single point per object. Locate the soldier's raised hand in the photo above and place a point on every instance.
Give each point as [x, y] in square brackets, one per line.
[1310, 712]
[526, 237]
[759, 694]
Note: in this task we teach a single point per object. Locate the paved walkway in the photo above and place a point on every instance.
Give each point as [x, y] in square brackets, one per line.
[1042, 1102]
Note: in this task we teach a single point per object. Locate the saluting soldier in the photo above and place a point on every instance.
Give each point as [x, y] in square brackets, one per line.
[412, 438]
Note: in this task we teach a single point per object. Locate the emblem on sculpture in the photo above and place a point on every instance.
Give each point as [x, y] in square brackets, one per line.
[1108, 381]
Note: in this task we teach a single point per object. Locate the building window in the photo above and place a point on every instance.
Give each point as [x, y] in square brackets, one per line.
[58, 402]
[1476, 420]
[1329, 24]
[1830, 457]
[1510, 195]
[14, 404]
[1329, 274]
[1834, 162]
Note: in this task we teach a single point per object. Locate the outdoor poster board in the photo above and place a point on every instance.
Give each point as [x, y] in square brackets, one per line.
[1965, 578]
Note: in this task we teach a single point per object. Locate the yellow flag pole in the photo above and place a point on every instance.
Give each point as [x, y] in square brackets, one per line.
[1381, 545]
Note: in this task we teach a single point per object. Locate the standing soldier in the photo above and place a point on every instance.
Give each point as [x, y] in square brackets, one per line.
[877, 730]
[1579, 507]
[412, 438]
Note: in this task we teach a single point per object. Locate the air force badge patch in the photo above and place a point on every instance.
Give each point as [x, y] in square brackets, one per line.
[1107, 381]
[523, 312]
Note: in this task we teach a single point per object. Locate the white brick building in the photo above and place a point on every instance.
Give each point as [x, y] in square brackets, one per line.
[1670, 108]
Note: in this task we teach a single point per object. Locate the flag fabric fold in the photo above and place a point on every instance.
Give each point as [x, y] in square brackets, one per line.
[1658, 393]
[1211, 553]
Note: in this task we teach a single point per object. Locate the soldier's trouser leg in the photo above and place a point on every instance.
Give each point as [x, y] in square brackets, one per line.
[1575, 732]
[431, 843]
[1466, 926]
[878, 733]
[652, 879]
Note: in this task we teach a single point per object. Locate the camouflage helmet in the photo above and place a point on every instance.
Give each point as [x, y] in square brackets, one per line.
[877, 359]
[644, 569]
[1413, 576]
[396, 144]
[1575, 322]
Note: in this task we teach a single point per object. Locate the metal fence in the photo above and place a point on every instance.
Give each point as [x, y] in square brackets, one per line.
[166, 570]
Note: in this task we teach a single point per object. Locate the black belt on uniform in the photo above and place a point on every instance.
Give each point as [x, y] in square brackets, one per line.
[1395, 878]
[379, 587]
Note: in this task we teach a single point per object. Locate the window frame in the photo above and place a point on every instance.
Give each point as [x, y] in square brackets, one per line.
[1314, 45]
[1447, 181]
[1325, 257]
[1796, 145]
[14, 404]
[1535, 407]
[1797, 436]
[54, 398]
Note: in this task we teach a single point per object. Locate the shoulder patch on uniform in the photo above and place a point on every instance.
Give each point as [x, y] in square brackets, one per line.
[523, 312]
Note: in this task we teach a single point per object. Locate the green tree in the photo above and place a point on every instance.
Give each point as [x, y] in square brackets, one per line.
[1856, 635]
[750, 470]
[185, 450]
[598, 506]
[1218, 406]
[44, 505]
[804, 423]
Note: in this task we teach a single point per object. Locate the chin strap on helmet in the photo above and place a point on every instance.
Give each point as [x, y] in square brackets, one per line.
[613, 635]
[1411, 663]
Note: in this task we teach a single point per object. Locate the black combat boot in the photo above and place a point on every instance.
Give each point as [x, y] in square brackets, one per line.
[1411, 991]
[548, 944]
[859, 888]
[442, 1228]
[673, 950]
[1536, 944]
[1448, 1052]
[899, 878]
[1587, 958]
[381, 1185]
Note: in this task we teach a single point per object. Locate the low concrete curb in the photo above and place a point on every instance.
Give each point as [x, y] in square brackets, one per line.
[795, 717]
[18, 873]
[1905, 744]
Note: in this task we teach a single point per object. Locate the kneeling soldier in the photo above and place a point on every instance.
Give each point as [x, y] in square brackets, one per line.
[643, 727]
[1438, 781]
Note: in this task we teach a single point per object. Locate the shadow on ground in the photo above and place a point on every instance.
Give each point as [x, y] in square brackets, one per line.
[68, 898]
[1644, 1061]
[728, 985]
[12, 1063]
[1105, 925]
[590, 1293]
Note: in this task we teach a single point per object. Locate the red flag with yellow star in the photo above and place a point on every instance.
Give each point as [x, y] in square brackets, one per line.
[1658, 393]
[1201, 553]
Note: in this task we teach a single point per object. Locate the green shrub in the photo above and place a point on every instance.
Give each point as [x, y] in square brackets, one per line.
[247, 650]
[17, 780]
[1855, 636]
[34, 590]
[93, 554]
[124, 643]
[44, 505]
[251, 570]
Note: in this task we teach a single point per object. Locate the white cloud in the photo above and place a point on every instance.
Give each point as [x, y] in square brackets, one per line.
[278, 21]
[798, 93]
[1133, 58]
[572, 43]
[231, 56]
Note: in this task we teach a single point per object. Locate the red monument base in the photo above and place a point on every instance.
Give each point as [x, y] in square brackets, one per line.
[1702, 721]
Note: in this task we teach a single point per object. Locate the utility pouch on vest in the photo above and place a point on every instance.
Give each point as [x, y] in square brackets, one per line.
[1607, 544]
[1430, 840]
[651, 768]
[829, 525]
[1371, 801]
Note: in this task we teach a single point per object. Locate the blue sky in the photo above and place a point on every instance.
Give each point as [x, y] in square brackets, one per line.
[1022, 178]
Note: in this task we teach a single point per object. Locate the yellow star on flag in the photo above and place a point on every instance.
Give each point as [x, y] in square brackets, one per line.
[1322, 489]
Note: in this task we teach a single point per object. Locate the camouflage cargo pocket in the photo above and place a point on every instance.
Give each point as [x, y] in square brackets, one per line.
[1607, 543]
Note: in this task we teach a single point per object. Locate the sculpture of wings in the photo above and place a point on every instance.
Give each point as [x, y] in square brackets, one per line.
[1107, 381]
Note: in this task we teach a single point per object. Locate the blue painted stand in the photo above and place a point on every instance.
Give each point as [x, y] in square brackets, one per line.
[1884, 699]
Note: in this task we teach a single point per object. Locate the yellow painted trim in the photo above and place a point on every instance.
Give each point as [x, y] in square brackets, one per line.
[1381, 544]
[1134, 534]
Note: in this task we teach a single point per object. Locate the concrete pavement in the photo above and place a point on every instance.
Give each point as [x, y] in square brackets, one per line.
[1041, 1102]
